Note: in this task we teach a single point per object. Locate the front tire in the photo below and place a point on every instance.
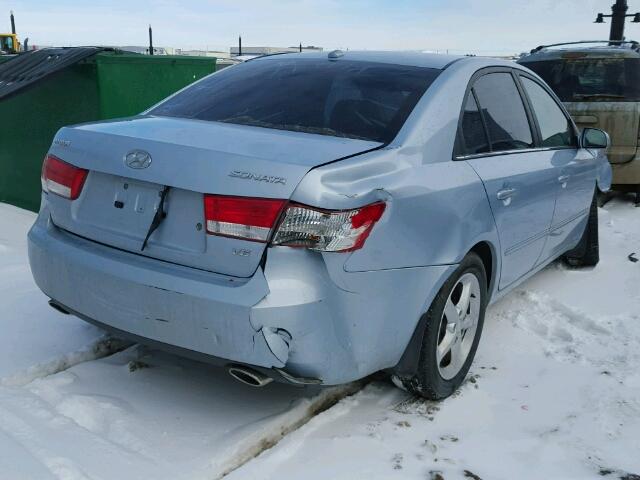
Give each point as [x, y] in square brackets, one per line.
[452, 332]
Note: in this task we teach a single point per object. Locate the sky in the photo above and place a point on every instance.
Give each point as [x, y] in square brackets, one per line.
[457, 26]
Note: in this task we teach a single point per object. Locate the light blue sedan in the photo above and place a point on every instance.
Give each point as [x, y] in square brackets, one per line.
[315, 218]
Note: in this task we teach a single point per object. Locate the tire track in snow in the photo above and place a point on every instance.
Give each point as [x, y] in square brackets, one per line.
[274, 430]
[102, 348]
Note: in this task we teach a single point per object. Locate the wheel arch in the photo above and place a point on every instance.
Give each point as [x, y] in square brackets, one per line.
[487, 252]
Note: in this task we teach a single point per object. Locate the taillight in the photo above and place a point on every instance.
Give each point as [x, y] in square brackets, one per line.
[241, 217]
[62, 178]
[300, 226]
[326, 230]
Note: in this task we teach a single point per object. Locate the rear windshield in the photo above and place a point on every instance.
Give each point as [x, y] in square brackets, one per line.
[351, 99]
[591, 79]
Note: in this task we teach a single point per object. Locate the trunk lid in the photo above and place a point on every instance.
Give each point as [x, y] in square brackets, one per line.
[118, 203]
[621, 120]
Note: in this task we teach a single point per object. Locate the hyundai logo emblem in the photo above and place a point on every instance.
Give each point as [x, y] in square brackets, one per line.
[137, 159]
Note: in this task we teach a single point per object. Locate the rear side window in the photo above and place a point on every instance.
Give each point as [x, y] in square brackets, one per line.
[474, 136]
[503, 112]
[555, 128]
[591, 79]
[352, 99]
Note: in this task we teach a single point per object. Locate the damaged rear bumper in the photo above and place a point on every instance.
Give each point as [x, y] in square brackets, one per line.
[181, 306]
[302, 317]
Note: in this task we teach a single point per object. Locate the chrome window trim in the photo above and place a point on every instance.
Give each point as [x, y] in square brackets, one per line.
[511, 152]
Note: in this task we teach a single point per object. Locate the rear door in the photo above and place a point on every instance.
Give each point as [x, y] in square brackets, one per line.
[498, 141]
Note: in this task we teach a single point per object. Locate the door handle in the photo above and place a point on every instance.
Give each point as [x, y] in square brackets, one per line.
[563, 179]
[505, 194]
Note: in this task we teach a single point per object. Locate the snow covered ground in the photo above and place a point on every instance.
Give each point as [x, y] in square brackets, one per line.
[554, 393]
[34, 338]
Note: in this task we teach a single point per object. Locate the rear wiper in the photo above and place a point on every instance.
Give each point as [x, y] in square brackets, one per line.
[158, 217]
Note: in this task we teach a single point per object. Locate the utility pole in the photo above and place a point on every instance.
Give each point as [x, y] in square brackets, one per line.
[150, 40]
[13, 23]
[300, 47]
[239, 46]
[618, 17]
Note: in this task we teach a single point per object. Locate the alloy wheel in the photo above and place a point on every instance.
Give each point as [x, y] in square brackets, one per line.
[458, 326]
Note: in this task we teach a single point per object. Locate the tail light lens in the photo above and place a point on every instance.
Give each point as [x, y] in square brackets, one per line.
[300, 226]
[62, 178]
[325, 230]
[241, 217]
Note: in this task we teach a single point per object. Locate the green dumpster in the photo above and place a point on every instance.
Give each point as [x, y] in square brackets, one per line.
[104, 85]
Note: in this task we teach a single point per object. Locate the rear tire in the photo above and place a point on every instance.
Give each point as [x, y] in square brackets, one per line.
[452, 332]
[587, 252]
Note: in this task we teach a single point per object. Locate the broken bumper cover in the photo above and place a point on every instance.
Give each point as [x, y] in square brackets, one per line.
[303, 315]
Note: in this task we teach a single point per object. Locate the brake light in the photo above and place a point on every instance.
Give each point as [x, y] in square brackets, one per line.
[241, 217]
[325, 230]
[301, 226]
[62, 178]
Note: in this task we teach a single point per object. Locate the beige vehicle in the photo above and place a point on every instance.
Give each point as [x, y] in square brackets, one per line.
[599, 83]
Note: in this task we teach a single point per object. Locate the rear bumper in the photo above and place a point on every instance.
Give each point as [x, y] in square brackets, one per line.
[303, 313]
[175, 305]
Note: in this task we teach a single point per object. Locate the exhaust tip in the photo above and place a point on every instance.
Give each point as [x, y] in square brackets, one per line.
[249, 376]
[56, 306]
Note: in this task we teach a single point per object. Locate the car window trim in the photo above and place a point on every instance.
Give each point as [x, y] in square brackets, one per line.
[533, 128]
[520, 74]
[510, 152]
[533, 124]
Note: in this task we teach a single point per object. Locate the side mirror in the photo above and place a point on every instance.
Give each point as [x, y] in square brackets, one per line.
[595, 138]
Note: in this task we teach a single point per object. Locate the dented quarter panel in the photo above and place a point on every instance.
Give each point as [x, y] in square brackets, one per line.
[437, 208]
[436, 212]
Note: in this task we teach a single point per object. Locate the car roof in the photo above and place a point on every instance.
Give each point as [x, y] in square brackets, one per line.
[416, 59]
[591, 49]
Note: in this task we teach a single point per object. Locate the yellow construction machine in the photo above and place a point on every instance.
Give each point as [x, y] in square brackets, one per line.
[9, 43]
